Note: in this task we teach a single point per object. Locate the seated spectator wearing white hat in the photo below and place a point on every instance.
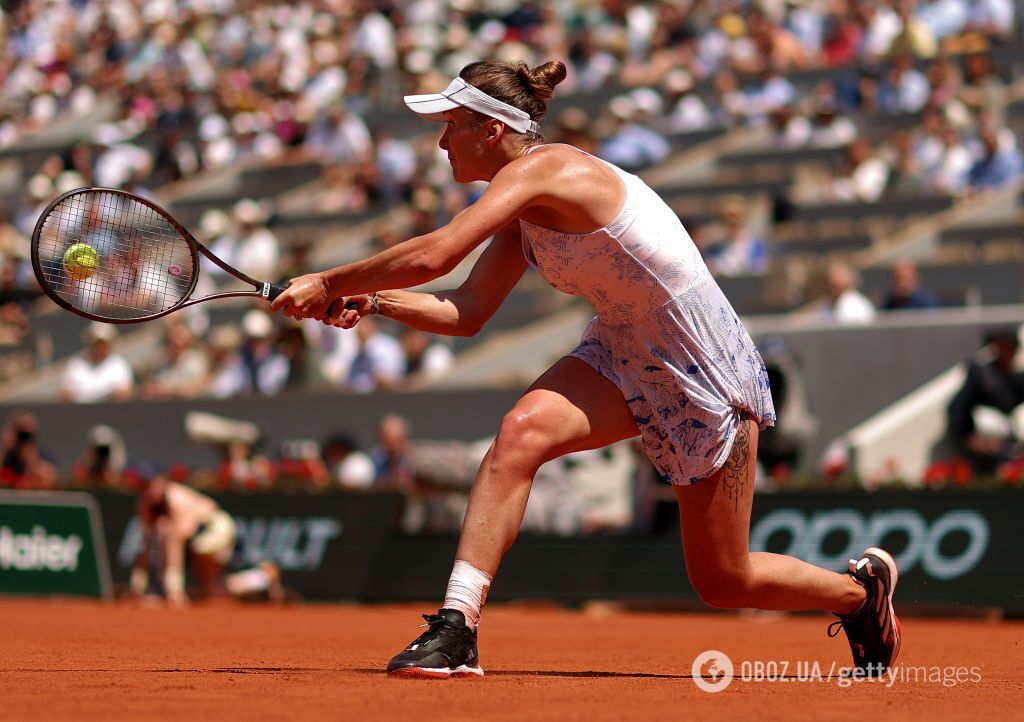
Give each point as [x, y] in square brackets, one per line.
[249, 246]
[266, 367]
[97, 374]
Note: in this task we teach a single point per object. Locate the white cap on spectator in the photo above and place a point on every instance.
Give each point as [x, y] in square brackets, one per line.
[257, 324]
[622, 107]
[97, 331]
[648, 100]
[248, 211]
[214, 222]
[212, 127]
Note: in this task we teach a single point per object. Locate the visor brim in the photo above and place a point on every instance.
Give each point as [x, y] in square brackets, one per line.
[431, 107]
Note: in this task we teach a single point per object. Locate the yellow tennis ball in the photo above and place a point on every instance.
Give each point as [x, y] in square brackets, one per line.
[81, 261]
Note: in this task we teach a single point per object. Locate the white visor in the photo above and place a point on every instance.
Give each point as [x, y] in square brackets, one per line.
[461, 93]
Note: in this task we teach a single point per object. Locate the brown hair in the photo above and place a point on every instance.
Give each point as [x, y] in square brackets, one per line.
[516, 84]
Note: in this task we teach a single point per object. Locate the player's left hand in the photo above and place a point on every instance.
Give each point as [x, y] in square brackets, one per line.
[346, 312]
[307, 296]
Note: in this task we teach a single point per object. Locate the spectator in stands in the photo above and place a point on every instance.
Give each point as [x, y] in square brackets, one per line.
[946, 81]
[18, 344]
[184, 369]
[906, 177]
[830, 128]
[906, 292]
[844, 36]
[998, 165]
[904, 88]
[102, 464]
[23, 465]
[339, 136]
[768, 92]
[396, 167]
[246, 244]
[844, 303]
[992, 383]
[425, 356]
[790, 128]
[733, 247]
[349, 467]
[993, 18]
[243, 467]
[950, 174]
[916, 39]
[631, 143]
[882, 25]
[265, 366]
[227, 373]
[97, 374]
[982, 87]
[297, 344]
[941, 18]
[363, 361]
[687, 111]
[390, 455]
[863, 177]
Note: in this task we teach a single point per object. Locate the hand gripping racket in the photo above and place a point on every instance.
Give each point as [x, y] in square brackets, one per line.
[131, 260]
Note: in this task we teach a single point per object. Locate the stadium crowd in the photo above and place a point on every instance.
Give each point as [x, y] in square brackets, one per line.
[155, 97]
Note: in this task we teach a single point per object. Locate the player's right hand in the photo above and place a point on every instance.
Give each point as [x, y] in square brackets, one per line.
[306, 296]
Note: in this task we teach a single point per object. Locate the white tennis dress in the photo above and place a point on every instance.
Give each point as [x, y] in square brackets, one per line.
[664, 333]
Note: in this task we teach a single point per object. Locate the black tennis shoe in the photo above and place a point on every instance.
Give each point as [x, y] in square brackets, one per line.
[873, 630]
[446, 649]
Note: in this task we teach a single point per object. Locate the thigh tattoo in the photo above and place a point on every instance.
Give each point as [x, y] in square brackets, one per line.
[735, 470]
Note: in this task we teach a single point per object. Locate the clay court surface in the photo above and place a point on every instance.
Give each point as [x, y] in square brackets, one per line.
[71, 660]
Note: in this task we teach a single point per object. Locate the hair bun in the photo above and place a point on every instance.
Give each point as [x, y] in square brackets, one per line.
[542, 80]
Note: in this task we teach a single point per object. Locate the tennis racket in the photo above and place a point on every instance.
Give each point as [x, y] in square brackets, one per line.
[139, 263]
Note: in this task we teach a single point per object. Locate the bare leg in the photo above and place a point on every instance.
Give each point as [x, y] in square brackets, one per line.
[715, 519]
[210, 574]
[571, 407]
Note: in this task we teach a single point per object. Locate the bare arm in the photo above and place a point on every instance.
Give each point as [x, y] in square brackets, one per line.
[174, 568]
[462, 311]
[424, 258]
[139, 580]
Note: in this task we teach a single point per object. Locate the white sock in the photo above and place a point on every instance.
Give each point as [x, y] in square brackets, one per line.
[467, 591]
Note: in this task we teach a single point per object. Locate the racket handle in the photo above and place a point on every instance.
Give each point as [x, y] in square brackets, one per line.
[352, 305]
[275, 291]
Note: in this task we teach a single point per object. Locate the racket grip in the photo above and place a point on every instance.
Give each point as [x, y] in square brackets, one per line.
[352, 305]
[275, 291]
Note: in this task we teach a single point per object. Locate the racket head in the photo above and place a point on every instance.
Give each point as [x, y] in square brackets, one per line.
[147, 263]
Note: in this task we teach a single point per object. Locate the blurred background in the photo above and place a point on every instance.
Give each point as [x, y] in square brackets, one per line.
[850, 169]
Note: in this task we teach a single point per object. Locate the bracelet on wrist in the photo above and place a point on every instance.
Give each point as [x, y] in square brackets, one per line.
[374, 304]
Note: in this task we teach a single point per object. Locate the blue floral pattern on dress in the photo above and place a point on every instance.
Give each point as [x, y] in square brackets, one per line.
[664, 333]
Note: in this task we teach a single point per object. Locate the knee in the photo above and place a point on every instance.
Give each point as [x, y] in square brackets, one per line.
[725, 588]
[523, 435]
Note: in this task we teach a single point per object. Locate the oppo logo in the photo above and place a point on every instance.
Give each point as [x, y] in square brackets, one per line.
[807, 534]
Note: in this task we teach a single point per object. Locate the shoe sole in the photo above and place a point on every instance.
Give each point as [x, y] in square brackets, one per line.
[436, 672]
[894, 575]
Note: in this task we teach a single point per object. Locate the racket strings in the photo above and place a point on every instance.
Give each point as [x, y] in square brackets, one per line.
[144, 265]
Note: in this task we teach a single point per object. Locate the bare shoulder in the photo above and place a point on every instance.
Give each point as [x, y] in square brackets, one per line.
[558, 155]
[573, 190]
[557, 163]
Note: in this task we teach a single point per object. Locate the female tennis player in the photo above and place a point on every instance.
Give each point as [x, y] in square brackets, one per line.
[666, 357]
